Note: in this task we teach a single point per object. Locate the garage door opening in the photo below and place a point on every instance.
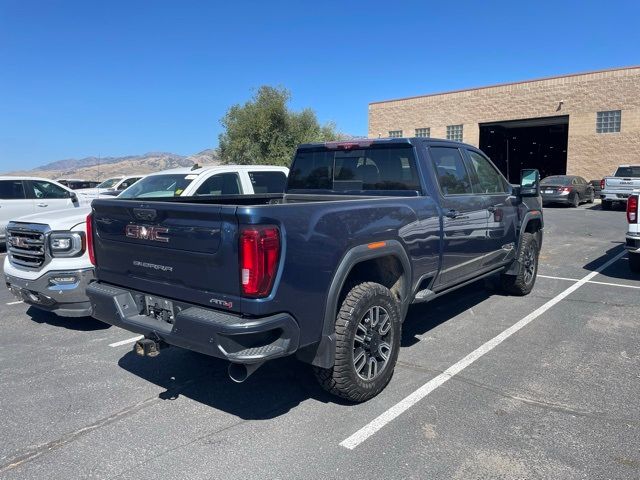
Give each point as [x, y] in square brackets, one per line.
[534, 143]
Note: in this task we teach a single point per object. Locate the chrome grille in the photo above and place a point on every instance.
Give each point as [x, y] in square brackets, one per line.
[26, 248]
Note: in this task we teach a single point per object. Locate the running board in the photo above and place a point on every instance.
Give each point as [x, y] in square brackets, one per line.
[427, 295]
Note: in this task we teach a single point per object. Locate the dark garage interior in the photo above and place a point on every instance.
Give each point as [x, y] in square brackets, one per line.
[533, 143]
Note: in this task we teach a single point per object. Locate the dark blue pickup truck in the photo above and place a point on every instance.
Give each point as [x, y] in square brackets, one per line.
[326, 270]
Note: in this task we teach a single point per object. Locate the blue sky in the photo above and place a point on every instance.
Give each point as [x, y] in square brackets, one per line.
[81, 78]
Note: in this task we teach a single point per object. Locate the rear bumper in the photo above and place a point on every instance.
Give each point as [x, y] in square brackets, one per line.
[555, 199]
[211, 332]
[632, 243]
[66, 300]
[615, 196]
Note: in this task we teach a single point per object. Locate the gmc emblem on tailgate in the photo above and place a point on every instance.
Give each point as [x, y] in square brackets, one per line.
[147, 233]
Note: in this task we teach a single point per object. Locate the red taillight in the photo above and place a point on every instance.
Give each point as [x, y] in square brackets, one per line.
[259, 254]
[632, 209]
[566, 189]
[92, 254]
[602, 184]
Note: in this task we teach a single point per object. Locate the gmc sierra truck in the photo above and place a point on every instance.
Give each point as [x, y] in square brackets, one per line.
[325, 271]
[620, 185]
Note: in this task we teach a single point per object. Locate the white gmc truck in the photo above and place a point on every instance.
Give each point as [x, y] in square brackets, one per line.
[47, 264]
[620, 185]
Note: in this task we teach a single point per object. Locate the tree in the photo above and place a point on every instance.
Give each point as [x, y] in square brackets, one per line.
[264, 131]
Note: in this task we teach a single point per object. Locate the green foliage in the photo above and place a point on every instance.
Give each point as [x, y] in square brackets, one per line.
[264, 131]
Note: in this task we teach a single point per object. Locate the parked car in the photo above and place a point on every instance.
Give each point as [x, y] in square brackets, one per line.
[48, 265]
[570, 190]
[633, 234]
[77, 183]
[325, 271]
[618, 187]
[21, 196]
[112, 185]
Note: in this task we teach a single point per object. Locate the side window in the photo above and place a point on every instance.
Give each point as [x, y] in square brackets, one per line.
[451, 173]
[221, 184]
[575, 181]
[43, 189]
[11, 190]
[268, 182]
[488, 178]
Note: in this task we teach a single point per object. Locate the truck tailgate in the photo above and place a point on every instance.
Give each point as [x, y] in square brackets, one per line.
[174, 250]
[619, 183]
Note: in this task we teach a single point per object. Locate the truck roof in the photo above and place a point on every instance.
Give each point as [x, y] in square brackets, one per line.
[365, 142]
[209, 168]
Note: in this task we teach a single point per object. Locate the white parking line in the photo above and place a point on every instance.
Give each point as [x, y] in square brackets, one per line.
[405, 404]
[125, 342]
[591, 281]
[15, 303]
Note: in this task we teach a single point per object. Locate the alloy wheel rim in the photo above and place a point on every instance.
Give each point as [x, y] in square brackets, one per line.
[372, 343]
[529, 265]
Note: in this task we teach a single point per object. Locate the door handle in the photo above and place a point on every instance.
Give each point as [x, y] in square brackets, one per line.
[43, 205]
[452, 213]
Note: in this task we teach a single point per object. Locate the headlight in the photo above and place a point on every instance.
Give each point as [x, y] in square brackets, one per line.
[66, 244]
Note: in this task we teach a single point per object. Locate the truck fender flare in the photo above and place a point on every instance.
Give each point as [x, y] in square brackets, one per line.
[528, 217]
[325, 353]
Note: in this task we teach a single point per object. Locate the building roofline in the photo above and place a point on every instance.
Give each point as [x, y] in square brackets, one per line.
[506, 84]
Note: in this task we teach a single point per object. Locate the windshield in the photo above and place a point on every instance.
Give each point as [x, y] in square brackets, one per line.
[353, 171]
[628, 172]
[556, 180]
[109, 183]
[169, 185]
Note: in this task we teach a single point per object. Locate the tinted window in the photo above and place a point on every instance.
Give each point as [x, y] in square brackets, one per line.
[43, 189]
[170, 185]
[221, 184]
[128, 182]
[386, 169]
[488, 178]
[109, 183]
[268, 182]
[11, 189]
[556, 180]
[450, 171]
[627, 172]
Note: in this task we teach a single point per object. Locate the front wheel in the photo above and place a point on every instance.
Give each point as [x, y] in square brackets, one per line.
[575, 201]
[523, 281]
[368, 328]
[634, 262]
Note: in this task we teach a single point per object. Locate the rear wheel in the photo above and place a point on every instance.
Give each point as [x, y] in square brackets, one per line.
[523, 281]
[606, 204]
[575, 201]
[634, 262]
[367, 329]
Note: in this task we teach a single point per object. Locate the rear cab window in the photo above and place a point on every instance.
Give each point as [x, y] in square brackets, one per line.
[633, 171]
[268, 182]
[374, 169]
[169, 185]
[12, 190]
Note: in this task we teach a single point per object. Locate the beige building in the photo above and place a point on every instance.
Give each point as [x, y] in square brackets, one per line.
[583, 124]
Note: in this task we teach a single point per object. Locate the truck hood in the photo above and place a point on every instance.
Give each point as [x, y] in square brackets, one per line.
[59, 219]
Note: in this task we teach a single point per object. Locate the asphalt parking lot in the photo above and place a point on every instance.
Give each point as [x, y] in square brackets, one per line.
[488, 386]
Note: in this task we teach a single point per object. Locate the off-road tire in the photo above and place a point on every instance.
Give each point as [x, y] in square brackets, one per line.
[522, 283]
[342, 379]
[634, 262]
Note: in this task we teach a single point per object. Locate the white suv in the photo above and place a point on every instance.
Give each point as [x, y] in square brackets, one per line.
[20, 196]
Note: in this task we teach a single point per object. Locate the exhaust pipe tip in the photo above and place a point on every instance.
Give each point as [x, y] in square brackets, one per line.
[239, 372]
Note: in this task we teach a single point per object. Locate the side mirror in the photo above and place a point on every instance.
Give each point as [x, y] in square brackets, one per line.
[529, 183]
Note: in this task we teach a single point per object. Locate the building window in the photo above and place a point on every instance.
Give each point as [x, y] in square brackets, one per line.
[608, 122]
[395, 133]
[454, 132]
[423, 132]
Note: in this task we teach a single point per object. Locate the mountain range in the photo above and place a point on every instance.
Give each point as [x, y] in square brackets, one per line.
[100, 168]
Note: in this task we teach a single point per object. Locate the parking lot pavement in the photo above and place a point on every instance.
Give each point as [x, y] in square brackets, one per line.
[556, 396]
